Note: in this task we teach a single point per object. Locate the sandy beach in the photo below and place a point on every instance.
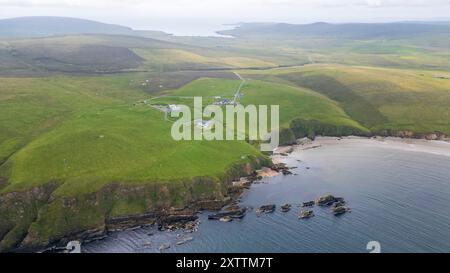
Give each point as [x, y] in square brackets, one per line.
[411, 145]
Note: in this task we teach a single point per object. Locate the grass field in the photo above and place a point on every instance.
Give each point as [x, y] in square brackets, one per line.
[379, 98]
[294, 102]
[167, 59]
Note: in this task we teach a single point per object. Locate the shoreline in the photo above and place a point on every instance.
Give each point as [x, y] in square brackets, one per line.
[436, 147]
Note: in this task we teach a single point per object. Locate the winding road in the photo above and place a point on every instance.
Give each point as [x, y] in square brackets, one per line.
[238, 91]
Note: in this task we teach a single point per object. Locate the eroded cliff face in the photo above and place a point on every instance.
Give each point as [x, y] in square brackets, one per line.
[18, 210]
[34, 219]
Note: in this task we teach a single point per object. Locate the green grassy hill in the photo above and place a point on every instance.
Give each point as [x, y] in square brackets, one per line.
[294, 102]
[379, 99]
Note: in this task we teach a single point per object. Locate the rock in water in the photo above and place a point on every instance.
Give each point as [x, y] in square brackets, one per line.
[164, 247]
[266, 209]
[286, 207]
[339, 204]
[326, 200]
[281, 167]
[226, 219]
[340, 210]
[308, 204]
[305, 214]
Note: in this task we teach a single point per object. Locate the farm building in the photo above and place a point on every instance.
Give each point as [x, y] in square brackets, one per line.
[173, 108]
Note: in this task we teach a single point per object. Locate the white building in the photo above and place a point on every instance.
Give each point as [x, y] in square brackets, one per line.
[173, 108]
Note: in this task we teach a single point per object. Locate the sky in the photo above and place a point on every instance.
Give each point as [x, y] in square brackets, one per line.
[176, 15]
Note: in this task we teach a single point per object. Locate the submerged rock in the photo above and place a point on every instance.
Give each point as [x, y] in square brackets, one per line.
[266, 209]
[305, 214]
[164, 247]
[226, 219]
[339, 204]
[340, 210]
[286, 207]
[308, 204]
[185, 240]
[326, 200]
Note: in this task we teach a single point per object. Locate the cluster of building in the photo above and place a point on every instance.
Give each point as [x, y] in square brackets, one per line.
[222, 101]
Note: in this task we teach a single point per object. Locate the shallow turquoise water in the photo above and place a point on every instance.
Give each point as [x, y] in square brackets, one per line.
[399, 198]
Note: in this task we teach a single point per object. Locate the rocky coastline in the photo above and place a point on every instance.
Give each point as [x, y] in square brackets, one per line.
[185, 218]
[21, 229]
[162, 214]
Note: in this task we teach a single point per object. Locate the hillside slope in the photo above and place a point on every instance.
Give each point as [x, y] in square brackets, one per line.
[386, 101]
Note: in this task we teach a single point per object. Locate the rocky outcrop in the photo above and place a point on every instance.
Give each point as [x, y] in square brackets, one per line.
[308, 204]
[326, 200]
[266, 209]
[286, 207]
[340, 210]
[306, 214]
[123, 222]
[281, 167]
[226, 219]
[238, 213]
[329, 200]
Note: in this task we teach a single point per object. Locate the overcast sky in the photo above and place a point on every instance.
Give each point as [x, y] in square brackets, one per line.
[158, 13]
